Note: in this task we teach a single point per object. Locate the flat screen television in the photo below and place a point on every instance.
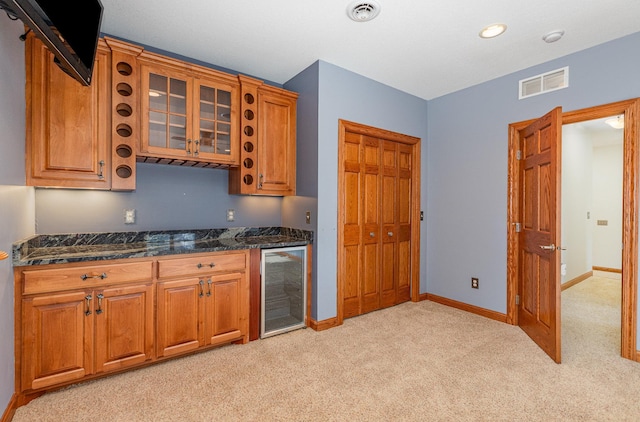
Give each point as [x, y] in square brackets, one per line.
[69, 28]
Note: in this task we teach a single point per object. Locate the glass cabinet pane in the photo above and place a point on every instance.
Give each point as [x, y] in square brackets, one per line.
[224, 113]
[178, 95]
[224, 98]
[157, 129]
[223, 146]
[206, 136]
[158, 92]
[178, 131]
[207, 103]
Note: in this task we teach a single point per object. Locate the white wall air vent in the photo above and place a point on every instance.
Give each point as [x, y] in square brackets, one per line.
[545, 82]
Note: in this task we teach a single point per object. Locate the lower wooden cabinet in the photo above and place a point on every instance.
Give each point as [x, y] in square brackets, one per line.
[81, 321]
[202, 301]
[123, 326]
[197, 312]
[77, 321]
[67, 336]
[56, 339]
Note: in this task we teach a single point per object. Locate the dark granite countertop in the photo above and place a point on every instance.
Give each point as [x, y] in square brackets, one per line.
[63, 248]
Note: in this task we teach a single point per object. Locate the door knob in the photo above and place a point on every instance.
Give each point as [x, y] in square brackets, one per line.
[372, 234]
[389, 234]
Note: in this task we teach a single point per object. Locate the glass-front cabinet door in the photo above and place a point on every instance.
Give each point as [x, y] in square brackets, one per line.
[189, 118]
[213, 121]
[167, 113]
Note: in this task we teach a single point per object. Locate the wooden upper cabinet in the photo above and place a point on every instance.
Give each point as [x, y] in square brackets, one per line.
[68, 125]
[276, 142]
[188, 114]
[268, 141]
[146, 107]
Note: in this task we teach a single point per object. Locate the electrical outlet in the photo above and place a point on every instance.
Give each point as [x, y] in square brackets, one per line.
[231, 215]
[475, 283]
[307, 217]
[129, 216]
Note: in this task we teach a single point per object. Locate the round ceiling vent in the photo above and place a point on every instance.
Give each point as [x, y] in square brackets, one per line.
[363, 11]
[553, 36]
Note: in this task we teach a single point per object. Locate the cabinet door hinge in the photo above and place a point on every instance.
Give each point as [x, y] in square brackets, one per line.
[518, 155]
[518, 227]
[517, 299]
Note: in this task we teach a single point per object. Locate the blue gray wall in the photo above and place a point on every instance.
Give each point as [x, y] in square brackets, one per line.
[16, 200]
[294, 208]
[467, 164]
[166, 197]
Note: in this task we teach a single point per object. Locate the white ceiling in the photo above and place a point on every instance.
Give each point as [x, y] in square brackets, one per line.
[600, 133]
[425, 48]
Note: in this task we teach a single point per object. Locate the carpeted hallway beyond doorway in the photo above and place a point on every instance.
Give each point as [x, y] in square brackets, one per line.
[591, 319]
[413, 362]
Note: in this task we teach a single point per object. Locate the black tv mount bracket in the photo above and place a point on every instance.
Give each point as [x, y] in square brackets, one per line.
[14, 17]
[23, 37]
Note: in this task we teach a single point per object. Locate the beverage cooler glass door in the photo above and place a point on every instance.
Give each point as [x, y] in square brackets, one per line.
[284, 285]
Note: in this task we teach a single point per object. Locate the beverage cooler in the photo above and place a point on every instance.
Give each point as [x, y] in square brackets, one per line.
[283, 290]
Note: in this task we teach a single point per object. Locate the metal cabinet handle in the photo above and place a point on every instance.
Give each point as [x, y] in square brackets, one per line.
[196, 150]
[188, 146]
[201, 282]
[100, 297]
[210, 265]
[209, 282]
[101, 276]
[261, 178]
[550, 247]
[88, 299]
[101, 166]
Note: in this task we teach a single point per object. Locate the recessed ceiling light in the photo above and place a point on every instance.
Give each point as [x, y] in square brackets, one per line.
[553, 36]
[493, 30]
[616, 122]
[363, 11]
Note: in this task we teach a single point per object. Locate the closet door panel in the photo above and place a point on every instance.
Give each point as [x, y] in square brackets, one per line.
[352, 248]
[371, 230]
[405, 204]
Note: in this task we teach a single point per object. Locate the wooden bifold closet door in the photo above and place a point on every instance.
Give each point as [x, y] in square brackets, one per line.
[377, 208]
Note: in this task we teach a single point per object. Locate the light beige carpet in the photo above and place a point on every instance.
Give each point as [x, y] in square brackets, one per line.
[413, 362]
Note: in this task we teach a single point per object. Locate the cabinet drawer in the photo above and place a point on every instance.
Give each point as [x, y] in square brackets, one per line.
[219, 262]
[51, 280]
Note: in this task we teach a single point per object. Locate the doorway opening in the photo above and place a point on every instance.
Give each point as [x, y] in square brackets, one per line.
[629, 277]
[591, 232]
